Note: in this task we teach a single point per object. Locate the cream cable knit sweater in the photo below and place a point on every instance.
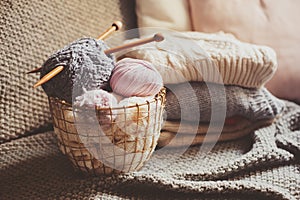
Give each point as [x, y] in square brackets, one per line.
[218, 58]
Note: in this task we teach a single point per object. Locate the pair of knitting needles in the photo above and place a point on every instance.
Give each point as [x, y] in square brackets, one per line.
[114, 27]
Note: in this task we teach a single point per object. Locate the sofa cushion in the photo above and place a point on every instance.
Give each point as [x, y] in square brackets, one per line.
[265, 22]
[164, 14]
[30, 32]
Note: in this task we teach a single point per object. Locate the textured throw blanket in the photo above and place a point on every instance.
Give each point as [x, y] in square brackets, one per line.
[186, 100]
[264, 165]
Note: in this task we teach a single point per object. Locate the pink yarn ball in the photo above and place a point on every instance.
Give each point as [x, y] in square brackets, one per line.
[134, 77]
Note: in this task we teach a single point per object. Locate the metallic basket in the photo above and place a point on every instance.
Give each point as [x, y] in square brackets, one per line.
[108, 140]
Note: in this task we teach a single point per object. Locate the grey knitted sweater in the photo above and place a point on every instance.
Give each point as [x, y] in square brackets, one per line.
[186, 100]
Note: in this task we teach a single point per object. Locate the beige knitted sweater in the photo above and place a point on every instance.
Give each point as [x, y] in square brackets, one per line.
[217, 58]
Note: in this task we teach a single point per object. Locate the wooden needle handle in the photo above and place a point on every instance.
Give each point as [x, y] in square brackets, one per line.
[157, 38]
[48, 76]
[117, 25]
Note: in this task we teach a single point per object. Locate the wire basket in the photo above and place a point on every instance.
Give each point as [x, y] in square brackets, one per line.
[108, 140]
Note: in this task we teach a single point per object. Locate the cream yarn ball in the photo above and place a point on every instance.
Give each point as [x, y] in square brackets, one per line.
[96, 98]
[137, 121]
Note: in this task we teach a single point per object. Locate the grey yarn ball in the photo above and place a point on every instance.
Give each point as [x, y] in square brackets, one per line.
[86, 66]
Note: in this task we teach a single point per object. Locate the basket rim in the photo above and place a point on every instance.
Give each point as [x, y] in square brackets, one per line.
[160, 94]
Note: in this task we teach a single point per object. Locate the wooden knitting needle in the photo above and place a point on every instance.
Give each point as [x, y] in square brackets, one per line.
[117, 25]
[157, 38]
[36, 70]
[48, 76]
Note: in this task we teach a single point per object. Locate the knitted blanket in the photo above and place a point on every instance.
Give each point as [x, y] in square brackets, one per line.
[264, 165]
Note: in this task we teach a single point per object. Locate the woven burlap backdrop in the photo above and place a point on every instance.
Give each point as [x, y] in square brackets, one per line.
[30, 31]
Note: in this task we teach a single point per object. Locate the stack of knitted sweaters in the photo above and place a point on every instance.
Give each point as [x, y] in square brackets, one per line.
[215, 87]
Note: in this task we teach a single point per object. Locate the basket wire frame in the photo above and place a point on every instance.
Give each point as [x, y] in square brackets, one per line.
[113, 140]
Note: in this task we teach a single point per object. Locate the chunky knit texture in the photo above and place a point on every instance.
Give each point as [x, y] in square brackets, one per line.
[186, 100]
[86, 67]
[261, 166]
[30, 31]
[217, 58]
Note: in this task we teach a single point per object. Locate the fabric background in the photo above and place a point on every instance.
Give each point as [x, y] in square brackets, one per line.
[30, 31]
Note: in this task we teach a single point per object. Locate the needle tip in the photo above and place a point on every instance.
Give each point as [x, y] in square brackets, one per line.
[158, 37]
[118, 25]
[36, 85]
[36, 70]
